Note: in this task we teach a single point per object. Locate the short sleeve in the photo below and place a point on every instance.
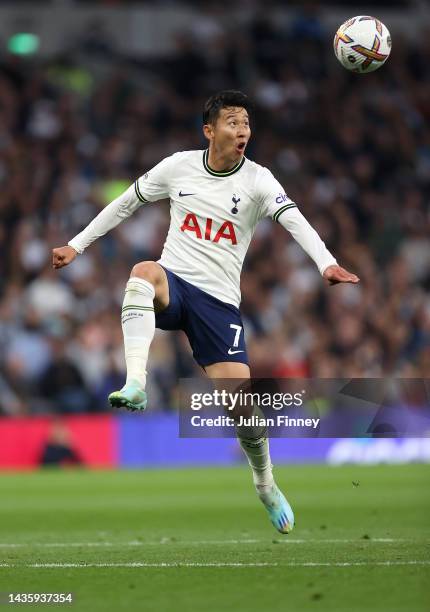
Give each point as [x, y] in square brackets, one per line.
[155, 184]
[271, 194]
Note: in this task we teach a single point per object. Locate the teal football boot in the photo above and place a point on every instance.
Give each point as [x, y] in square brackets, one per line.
[280, 511]
[131, 396]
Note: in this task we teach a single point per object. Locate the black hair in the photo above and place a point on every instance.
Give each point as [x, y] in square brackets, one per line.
[224, 99]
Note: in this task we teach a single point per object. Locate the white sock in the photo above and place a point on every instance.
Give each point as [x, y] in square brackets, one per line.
[138, 327]
[258, 455]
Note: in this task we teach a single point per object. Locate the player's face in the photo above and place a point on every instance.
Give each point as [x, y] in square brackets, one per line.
[231, 132]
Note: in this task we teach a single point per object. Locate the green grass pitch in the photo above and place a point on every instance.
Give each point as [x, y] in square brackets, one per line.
[201, 541]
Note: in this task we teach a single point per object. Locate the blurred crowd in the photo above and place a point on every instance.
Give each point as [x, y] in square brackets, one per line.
[353, 151]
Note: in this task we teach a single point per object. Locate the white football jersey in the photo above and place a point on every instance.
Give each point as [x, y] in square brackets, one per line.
[213, 216]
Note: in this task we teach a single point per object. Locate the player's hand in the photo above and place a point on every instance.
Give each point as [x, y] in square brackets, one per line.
[335, 274]
[62, 256]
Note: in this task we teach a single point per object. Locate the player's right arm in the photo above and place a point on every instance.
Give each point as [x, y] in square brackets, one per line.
[152, 186]
[62, 256]
[111, 216]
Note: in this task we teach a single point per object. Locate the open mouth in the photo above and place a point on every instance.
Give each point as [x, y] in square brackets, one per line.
[241, 147]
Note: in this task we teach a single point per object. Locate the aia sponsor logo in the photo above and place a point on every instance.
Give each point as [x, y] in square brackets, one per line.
[207, 230]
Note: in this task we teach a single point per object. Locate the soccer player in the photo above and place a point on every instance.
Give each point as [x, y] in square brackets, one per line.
[217, 197]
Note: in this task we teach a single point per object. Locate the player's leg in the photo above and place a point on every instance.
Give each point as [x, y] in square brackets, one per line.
[147, 290]
[253, 440]
[255, 444]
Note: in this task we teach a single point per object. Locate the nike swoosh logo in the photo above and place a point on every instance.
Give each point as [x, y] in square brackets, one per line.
[182, 195]
[230, 352]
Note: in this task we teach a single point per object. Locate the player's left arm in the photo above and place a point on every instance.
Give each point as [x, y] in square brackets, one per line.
[277, 204]
[308, 238]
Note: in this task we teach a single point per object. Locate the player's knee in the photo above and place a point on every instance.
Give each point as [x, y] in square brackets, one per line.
[148, 270]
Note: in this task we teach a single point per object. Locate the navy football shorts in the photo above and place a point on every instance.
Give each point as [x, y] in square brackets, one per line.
[214, 328]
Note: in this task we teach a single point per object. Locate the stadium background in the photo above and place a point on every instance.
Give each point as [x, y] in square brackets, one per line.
[100, 93]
